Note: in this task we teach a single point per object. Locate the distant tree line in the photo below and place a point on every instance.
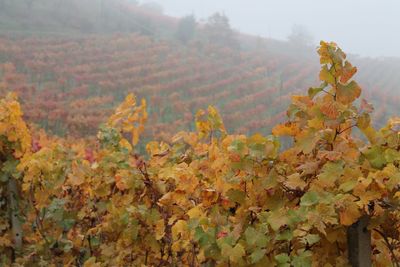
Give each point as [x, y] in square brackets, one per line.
[102, 16]
[217, 30]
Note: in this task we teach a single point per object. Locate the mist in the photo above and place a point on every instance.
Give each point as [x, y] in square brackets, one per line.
[364, 27]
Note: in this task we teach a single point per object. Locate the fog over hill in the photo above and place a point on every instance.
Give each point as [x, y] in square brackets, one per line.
[364, 27]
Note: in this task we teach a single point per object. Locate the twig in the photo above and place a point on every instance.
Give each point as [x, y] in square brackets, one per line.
[390, 247]
[329, 93]
[347, 128]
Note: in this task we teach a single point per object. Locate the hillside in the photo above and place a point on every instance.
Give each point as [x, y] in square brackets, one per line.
[78, 80]
[80, 17]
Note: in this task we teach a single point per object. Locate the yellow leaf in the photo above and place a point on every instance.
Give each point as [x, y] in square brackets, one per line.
[209, 197]
[125, 144]
[347, 72]
[277, 219]
[160, 229]
[346, 94]
[195, 212]
[130, 118]
[350, 214]
[91, 262]
[76, 179]
[295, 182]
[179, 228]
[234, 254]
[316, 123]
[290, 129]
[119, 183]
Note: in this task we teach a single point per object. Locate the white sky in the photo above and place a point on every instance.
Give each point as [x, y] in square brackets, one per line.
[364, 27]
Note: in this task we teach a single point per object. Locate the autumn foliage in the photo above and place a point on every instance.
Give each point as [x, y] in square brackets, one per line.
[206, 198]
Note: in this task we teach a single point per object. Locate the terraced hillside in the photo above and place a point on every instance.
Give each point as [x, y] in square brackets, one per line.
[76, 82]
[70, 85]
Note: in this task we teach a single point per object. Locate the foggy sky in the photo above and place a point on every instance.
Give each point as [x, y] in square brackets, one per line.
[364, 27]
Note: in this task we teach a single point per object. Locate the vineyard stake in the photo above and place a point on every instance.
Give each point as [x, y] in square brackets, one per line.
[359, 243]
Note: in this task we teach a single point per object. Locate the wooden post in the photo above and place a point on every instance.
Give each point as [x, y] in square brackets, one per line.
[359, 243]
[16, 224]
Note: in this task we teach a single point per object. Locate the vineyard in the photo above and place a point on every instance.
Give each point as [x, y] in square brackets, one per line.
[206, 197]
[132, 138]
[70, 85]
[80, 82]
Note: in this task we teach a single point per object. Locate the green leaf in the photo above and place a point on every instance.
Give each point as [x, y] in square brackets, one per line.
[55, 210]
[255, 238]
[308, 199]
[286, 235]
[135, 229]
[311, 239]
[68, 223]
[278, 219]
[95, 241]
[66, 244]
[251, 235]
[257, 150]
[326, 76]
[313, 91]
[363, 121]
[235, 195]
[257, 255]
[392, 155]
[4, 177]
[376, 157]
[10, 166]
[202, 237]
[302, 259]
[237, 253]
[296, 216]
[236, 146]
[306, 141]
[282, 258]
[9, 169]
[348, 186]
[331, 172]
[193, 223]
[293, 111]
